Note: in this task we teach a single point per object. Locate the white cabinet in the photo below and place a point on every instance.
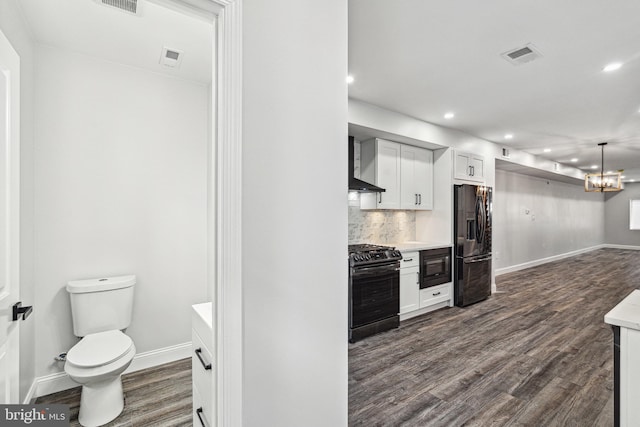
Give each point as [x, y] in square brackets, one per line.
[404, 171]
[416, 178]
[202, 372]
[409, 282]
[468, 166]
[435, 295]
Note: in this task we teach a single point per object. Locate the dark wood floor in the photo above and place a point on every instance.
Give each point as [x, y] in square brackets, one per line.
[155, 397]
[538, 353]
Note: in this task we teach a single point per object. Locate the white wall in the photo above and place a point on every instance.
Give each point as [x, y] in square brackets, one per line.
[14, 28]
[295, 203]
[120, 188]
[617, 216]
[535, 218]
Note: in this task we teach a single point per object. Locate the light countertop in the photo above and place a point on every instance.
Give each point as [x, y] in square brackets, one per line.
[626, 313]
[418, 246]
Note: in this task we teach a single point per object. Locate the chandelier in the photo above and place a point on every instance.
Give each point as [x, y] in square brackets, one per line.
[610, 181]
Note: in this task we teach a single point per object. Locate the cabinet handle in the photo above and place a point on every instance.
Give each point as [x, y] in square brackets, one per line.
[199, 412]
[416, 199]
[419, 199]
[379, 197]
[436, 293]
[418, 280]
[473, 170]
[206, 366]
[408, 259]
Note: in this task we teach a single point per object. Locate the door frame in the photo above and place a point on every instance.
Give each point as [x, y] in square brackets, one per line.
[12, 215]
[225, 213]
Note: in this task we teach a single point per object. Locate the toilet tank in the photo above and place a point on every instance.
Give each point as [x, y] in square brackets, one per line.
[103, 304]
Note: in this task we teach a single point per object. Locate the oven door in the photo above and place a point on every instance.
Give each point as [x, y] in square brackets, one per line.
[374, 294]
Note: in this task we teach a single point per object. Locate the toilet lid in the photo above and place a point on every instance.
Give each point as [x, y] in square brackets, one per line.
[99, 349]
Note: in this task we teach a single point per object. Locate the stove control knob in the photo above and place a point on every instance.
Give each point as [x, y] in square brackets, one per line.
[367, 257]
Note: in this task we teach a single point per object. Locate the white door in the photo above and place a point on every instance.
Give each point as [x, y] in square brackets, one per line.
[9, 230]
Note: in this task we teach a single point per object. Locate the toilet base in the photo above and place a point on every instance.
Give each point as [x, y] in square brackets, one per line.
[101, 402]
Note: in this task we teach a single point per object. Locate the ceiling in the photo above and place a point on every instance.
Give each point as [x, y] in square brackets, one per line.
[91, 28]
[425, 59]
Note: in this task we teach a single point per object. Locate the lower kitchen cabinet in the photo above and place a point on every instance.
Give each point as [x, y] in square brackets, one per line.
[415, 301]
[202, 371]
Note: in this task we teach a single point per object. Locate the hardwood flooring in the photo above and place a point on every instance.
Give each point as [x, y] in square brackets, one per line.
[537, 353]
[154, 397]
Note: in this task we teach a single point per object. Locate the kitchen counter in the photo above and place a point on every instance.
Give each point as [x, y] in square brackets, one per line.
[418, 246]
[627, 313]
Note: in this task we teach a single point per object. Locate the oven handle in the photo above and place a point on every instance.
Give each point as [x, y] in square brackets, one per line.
[375, 270]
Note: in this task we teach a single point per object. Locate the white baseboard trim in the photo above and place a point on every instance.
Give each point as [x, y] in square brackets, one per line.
[612, 246]
[60, 381]
[534, 263]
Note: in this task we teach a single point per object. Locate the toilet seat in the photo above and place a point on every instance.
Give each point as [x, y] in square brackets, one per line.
[99, 349]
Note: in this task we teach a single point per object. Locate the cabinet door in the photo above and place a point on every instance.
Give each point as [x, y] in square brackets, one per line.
[424, 179]
[416, 178]
[461, 163]
[388, 174]
[409, 289]
[477, 168]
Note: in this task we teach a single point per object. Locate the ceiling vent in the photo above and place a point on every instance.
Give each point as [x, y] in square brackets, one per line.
[128, 6]
[522, 55]
[171, 58]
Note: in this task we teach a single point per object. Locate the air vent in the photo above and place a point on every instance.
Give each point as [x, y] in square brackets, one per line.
[505, 153]
[522, 54]
[171, 58]
[129, 6]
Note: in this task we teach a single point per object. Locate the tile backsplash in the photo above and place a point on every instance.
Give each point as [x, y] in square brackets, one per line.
[381, 226]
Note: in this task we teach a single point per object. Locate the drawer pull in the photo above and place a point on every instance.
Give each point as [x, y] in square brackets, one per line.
[408, 260]
[198, 413]
[206, 366]
[436, 293]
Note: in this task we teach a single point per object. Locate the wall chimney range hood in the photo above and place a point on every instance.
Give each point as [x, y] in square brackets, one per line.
[356, 184]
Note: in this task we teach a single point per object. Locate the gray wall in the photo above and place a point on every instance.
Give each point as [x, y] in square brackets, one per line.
[617, 216]
[536, 218]
[294, 213]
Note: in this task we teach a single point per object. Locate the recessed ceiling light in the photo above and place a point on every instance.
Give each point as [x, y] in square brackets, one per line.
[350, 79]
[608, 172]
[612, 67]
[594, 166]
[632, 180]
[449, 116]
[547, 150]
[623, 177]
[508, 136]
[574, 160]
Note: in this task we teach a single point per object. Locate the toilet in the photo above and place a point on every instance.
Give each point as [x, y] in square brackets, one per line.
[101, 309]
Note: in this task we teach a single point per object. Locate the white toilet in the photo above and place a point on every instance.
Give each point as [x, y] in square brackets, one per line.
[101, 309]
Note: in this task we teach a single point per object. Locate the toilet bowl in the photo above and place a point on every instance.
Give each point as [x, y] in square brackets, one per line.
[97, 362]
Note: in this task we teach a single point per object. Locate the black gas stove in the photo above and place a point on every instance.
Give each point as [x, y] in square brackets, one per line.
[364, 254]
[374, 290]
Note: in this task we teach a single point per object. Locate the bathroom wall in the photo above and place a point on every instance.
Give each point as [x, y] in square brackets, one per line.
[120, 188]
[15, 29]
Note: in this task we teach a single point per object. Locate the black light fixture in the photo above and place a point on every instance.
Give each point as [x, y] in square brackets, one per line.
[610, 181]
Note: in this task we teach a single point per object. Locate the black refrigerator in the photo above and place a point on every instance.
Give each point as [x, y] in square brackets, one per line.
[472, 233]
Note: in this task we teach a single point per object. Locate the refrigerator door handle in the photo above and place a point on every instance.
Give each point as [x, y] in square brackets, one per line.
[478, 260]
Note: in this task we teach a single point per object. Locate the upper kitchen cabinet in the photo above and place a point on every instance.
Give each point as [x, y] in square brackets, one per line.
[416, 178]
[404, 171]
[468, 166]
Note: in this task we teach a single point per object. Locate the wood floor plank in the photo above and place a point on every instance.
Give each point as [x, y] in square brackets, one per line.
[536, 353]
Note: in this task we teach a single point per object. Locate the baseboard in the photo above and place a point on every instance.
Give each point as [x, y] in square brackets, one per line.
[60, 381]
[629, 247]
[534, 263]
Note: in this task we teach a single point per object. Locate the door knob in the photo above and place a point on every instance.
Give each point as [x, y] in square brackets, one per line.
[19, 310]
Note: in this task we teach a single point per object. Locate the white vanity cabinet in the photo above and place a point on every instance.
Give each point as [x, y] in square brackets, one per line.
[202, 365]
[409, 282]
[468, 166]
[404, 171]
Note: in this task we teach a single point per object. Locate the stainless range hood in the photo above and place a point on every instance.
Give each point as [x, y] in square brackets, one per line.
[356, 184]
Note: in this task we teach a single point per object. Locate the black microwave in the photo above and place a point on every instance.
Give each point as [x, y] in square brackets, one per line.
[435, 267]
